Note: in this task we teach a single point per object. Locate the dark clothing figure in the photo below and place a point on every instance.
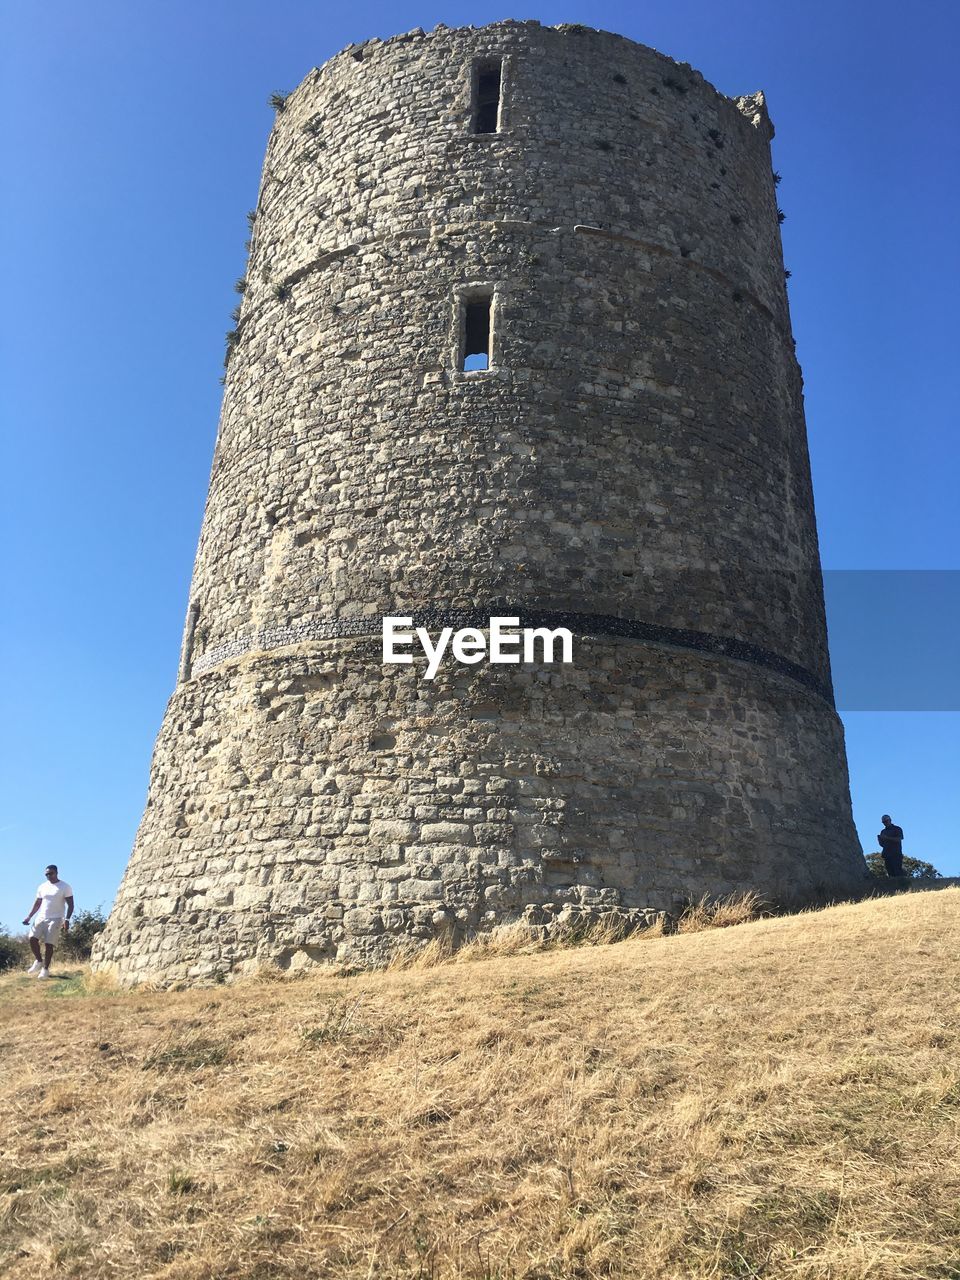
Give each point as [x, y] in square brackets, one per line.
[891, 846]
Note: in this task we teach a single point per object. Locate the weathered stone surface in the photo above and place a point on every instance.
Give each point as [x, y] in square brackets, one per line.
[635, 459]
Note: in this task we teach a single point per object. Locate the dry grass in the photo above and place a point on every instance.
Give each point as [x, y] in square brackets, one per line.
[709, 913]
[521, 939]
[776, 1100]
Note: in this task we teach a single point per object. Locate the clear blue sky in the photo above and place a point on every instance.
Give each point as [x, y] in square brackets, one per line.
[134, 134]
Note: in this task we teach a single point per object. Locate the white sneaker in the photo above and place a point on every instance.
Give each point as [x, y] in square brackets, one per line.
[44, 973]
[35, 967]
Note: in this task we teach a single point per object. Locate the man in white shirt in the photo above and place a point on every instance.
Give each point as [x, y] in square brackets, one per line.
[55, 905]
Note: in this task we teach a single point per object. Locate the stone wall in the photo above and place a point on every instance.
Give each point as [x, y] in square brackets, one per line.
[635, 459]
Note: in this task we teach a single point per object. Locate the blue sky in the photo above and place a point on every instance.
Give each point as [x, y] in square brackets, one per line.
[133, 138]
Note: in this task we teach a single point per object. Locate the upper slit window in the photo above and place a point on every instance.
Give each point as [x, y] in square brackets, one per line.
[476, 334]
[486, 96]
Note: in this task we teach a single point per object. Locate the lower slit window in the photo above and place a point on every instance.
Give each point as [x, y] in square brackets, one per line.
[486, 97]
[476, 333]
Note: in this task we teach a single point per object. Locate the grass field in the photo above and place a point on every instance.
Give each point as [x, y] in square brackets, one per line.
[780, 1099]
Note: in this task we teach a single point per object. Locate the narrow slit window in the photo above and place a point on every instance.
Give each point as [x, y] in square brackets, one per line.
[476, 333]
[189, 638]
[486, 97]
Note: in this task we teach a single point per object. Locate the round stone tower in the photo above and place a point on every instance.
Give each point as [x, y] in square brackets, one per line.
[514, 340]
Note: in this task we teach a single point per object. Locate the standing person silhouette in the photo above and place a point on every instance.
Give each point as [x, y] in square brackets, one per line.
[55, 904]
[891, 841]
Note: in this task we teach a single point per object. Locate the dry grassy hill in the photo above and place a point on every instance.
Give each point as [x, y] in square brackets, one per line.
[779, 1099]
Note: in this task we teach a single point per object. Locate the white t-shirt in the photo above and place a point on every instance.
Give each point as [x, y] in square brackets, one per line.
[53, 898]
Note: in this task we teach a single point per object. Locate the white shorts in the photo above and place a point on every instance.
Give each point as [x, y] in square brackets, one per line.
[47, 931]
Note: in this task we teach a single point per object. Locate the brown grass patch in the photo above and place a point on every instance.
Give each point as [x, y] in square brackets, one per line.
[721, 913]
[519, 939]
[778, 1101]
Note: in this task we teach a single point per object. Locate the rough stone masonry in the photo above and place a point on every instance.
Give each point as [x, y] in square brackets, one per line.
[632, 462]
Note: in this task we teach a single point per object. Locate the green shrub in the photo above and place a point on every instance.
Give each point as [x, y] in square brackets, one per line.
[913, 868]
[14, 951]
[78, 939]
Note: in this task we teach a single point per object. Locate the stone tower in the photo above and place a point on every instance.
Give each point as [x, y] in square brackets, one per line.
[599, 226]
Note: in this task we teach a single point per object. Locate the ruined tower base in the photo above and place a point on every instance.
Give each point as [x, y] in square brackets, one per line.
[312, 806]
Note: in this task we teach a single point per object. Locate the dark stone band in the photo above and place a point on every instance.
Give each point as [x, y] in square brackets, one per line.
[591, 624]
